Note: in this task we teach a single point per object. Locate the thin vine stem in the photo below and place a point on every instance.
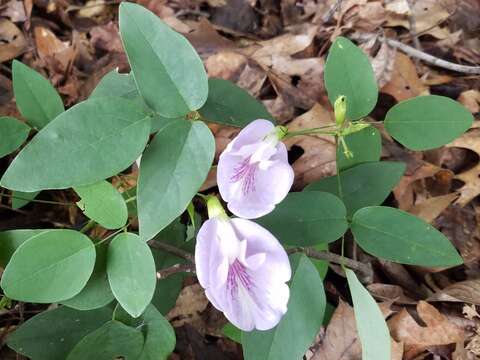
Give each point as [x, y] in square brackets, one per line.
[37, 201]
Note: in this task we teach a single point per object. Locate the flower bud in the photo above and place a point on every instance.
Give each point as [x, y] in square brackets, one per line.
[340, 109]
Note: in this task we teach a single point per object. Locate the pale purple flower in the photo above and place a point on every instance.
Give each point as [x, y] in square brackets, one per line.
[253, 173]
[244, 271]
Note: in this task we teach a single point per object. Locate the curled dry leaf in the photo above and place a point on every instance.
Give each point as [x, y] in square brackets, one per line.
[431, 208]
[471, 100]
[52, 50]
[12, 41]
[465, 291]
[417, 338]
[318, 159]
[470, 178]
[404, 83]
[388, 292]
[14, 10]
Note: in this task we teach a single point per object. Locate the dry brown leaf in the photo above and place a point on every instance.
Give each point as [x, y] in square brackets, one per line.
[92, 8]
[470, 312]
[388, 292]
[428, 15]
[474, 346]
[465, 291]
[471, 100]
[279, 109]
[404, 82]
[190, 303]
[341, 340]
[471, 177]
[50, 48]
[106, 37]
[318, 159]
[225, 65]
[12, 41]
[416, 338]
[431, 208]
[384, 64]
[14, 10]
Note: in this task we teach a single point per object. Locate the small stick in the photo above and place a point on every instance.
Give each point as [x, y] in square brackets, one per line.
[174, 269]
[172, 250]
[334, 258]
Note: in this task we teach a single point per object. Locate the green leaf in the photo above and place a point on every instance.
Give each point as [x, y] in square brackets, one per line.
[296, 331]
[307, 218]
[103, 203]
[229, 104]
[169, 73]
[398, 236]
[159, 336]
[90, 142]
[372, 329]
[52, 334]
[10, 240]
[111, 341]
[172, 169]
[37, 100]
[321, 265]
[114, 84]
[363, 185]
[50, 267]
[233, 333]
[348, 72]
[167, 290]
[366, 146]
[131, 272]
[96, 293]
[427, 122]
[13, 133]
[20, 198]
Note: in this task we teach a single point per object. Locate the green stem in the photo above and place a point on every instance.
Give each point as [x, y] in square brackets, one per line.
[133, 198]
[340, 195]
[90, 224]
[319, 130]
[111, 235]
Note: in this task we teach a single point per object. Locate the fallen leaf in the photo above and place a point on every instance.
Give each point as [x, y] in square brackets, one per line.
[467, 291]
[92, 8]
[471, 100]
[225, 65]
[388, 292]
[106, 38]
[51, 49]
[14, 10]
[318, 159]
[471, 177]
[341, 340]
[384, 64]
[430, 209]
[190, 303]
[12, 41]
[470, 312]
[404, 83]
[416, 338]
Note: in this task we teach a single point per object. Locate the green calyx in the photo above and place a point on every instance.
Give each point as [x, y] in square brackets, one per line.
[340, 110]
[215, 208]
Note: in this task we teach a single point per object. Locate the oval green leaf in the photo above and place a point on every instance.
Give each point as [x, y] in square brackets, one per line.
[131, 272]
[10, 240]
[365, 145]
[90, 142]
[159, 336]
[172, 169]
[363, 185]
[229, 104]
[96, 293]
[52, 334]
[348, 73]
[307, 218]
[21, 198]
[103, 203]
[111, 341]
[296, 331]
[13, 133]
[427, 122]
[114, 84]
[371, 326]
[50, 267]
[398, 236]
[169, 73]
[37, 100]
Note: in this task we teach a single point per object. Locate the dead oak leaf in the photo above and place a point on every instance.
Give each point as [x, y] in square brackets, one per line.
[429, 209]
[190, 303]
[416, 338]
[318, 159]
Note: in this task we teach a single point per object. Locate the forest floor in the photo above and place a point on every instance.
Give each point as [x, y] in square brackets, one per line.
[276, 50]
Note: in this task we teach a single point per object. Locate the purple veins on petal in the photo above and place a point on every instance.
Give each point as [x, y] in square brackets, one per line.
[245, 172]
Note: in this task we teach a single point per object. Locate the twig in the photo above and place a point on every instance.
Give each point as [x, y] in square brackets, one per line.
[164, 273]
[413, 26]
[172, 250]
[365, 269]
[432, 59]
[329, 14]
